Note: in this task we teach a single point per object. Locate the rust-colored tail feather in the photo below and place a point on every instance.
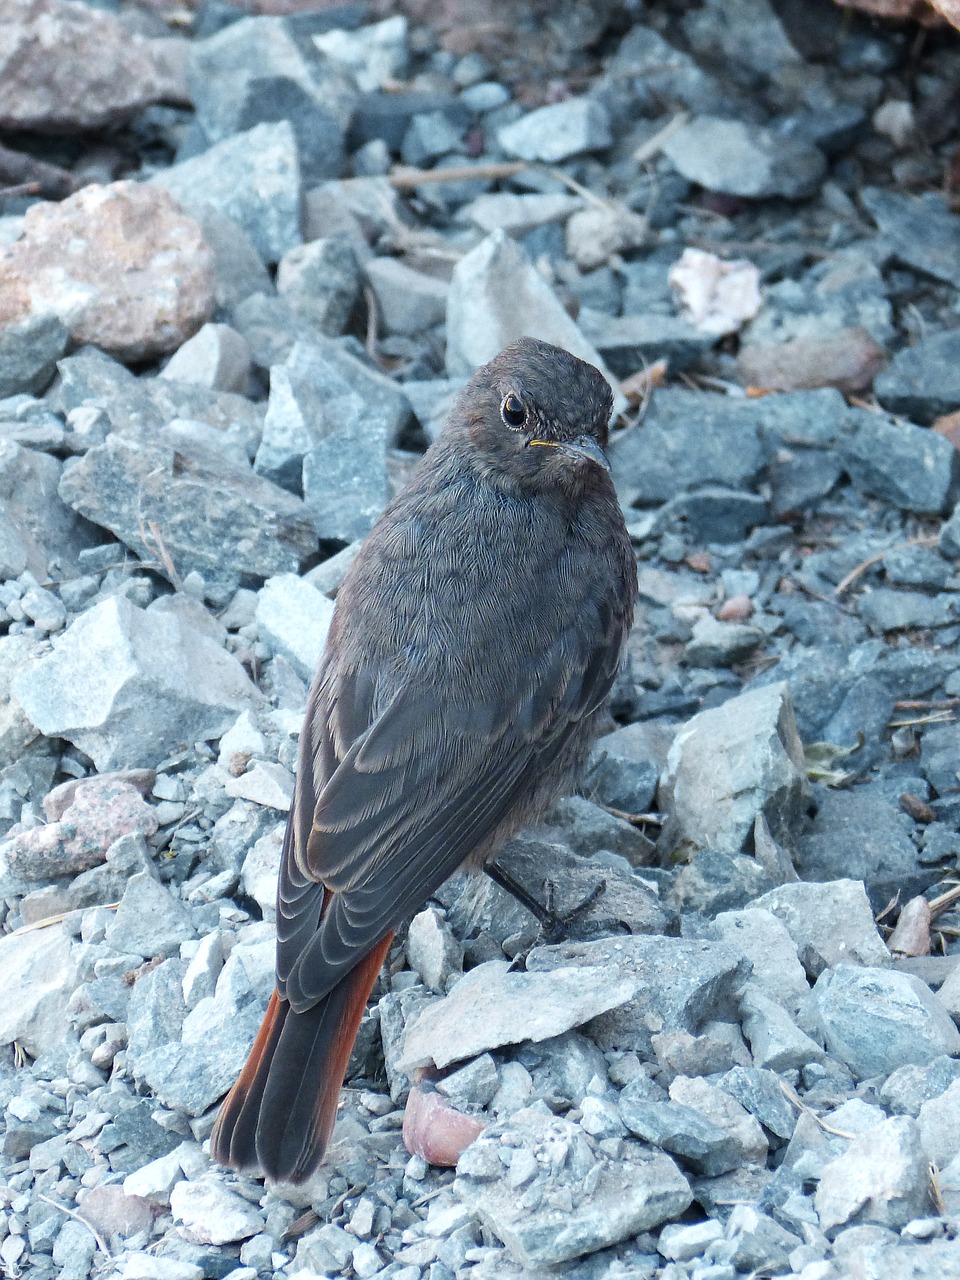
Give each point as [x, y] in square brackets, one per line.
[279, 1115]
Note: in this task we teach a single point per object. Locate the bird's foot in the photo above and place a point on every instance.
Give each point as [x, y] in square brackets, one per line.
[554, 925]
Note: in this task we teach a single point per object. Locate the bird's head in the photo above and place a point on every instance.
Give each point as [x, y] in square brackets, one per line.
[538, 415]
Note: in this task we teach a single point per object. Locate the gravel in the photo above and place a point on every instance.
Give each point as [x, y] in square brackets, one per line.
[233, 318]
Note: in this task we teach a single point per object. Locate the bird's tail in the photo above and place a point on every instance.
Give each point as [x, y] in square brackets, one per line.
[279, 1115]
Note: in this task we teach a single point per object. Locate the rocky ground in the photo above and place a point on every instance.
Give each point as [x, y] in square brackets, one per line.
[246, 264]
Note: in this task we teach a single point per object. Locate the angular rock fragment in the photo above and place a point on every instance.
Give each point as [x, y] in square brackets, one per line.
[730, 764]
[409, 301]
[128, 685]
[211, 1214]
[38, 531]
[293, 618]
[149, 921]
[40, 974]
[741, 159]
[876, 1020]
[560, 1198]
[29, 351]
[140, 279]
[903, 464]
[922, 230]
[492, 1006]
[99, 75]
[882, 1177]
[322, 281]
[558, 131]
[252, 177]
[922, 382]
[216, 357]
[830, 924]
[179, 504]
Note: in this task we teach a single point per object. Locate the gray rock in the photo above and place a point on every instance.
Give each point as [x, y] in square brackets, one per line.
[681, 1242]
[216, 357]
[252, 177]
[922, 382]
[660, 74]
[725, 1112]
[409, 301]
[903, 464]
[491, 1006]
[563, 1069]
[760, 1242]
[885, 610]
[720, 644]
[38, 531]
[908, 1088]
[749, 35]
[688, 440]
[429, 135]
[259, 70]
[862, 834]
[730, 764]
[129, 686]
[631, 342]
[558, 131]
[684, 984]
[29, 352]
[875, 1020]
[432, 950]
[149, 921]
[921, 230]
[830, 923]
[703, 1146]
[759, 1092]
[882, 1177]
[40, 974]
[159, 494]
[568, 1200]
[625, 765]
[238, 268]
[939, 1121]
[16, 731]
[741, 159]
[473, 1085]
[776, 1042]
[517, 214]
[373, 54]
[293, 619]
[767, 944]
[497, 296]
[321, 280]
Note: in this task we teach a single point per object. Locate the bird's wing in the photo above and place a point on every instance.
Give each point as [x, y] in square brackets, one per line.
[416, 790]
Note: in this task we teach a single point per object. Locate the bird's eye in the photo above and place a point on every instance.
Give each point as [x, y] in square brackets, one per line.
[512, 412]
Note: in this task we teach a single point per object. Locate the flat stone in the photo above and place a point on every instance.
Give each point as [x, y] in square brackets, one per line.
[848, 359]
[147, 1266]
[686, 1133]
[730, 764]
[830, 924]
[149, 921]
[567, 1206]
[40, 974]
[720, 644]
[684, 983]
[741, 159]
[209, 1213]
[293, 619]
[140, 279]
[629, 343]
[252, 177]
[939, 1121]
[875, 1020]
[860, 834]
[129, 686]
[882, 1177]
[257, 71]
[491, 1006]
[517, 214]
[725, 1112]
[921, 230]
[497, 296]
[265, 783]
[886, 610]
[908, 1088]
[135, 486]
[102, 74]
[558, 131]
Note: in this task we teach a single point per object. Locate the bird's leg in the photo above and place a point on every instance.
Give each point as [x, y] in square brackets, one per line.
[553, 925]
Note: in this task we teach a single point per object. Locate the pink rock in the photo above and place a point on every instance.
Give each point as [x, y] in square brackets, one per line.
[848, 360]
[434, 1129]
[109, 1210]
[735, 608]
[59, 800]
[120, 265]
[66, 66]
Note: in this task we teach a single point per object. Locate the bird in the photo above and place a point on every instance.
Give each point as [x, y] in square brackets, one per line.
[473, 643]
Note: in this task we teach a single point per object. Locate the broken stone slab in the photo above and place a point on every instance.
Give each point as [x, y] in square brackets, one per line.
[864, 834]
[38, 531]
[564, 1199]
[252, 177]
[40, 973]
[492, 1006]
[558, 131]
[730, 764]
[876, 1020]
[128, 686]
[258, 70]
[141, 276]
[101, 75]
[631, 342]
[517, 214]
[293, 619]
[209, 1213]
[149, 921]
[882, 1177]
[723, 1111]
[180, 504]
[497, 296]
[767, 944]
[776, 1042]
[921, 382]
[906, 465]
[684, 1132]
[741, 159]
[688, 440]
[830, 923]
[683, 984]
[720, 644]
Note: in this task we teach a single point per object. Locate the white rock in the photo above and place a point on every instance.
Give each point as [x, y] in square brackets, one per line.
[718, 295]
[243, 739]
[558, 131]
[293, 619]
[155, 1180]
[210, 1214]
[39, 976]
[200, 979]
[374, 54]
[261, 866]
[216, 357]
[882, 1177]
[432, 949]
[147, 1266]
[266, 783]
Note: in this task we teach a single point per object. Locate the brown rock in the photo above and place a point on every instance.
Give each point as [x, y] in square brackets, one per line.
[735, 609]
[435, 1129]
[949, 426]
[65, 66]
[120, 265]
[848, 359]
[930, 13]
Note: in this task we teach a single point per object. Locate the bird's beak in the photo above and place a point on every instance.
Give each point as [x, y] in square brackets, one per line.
[585, 449]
